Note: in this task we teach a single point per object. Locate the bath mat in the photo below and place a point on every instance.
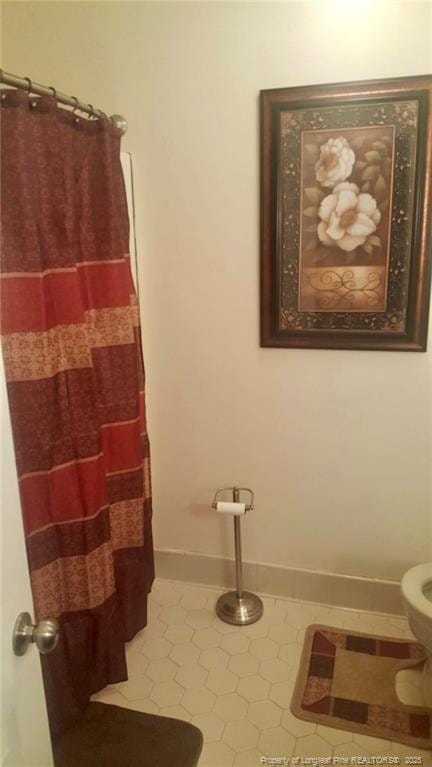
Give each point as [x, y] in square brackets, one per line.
[111, 736]
[346, 680]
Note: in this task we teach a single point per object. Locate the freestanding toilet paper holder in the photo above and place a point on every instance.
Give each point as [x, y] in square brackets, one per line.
[238, 607]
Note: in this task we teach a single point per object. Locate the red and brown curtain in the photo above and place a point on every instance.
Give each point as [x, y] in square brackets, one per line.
[73, 364]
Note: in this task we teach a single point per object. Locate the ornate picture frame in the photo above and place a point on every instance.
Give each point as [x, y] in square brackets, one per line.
[346, 203]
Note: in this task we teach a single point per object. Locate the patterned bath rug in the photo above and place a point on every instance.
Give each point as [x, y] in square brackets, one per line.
[347, 680]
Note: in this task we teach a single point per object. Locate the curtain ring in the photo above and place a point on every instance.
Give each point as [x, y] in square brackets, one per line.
[76, 118]
[92, 114]
[33, 104]
[53, 91]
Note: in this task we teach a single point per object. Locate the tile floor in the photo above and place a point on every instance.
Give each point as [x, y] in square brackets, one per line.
[236, 684]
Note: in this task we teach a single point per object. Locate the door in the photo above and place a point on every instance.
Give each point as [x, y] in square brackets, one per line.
[25, 740]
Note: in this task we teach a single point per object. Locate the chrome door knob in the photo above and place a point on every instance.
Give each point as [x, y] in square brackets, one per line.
[45, 634]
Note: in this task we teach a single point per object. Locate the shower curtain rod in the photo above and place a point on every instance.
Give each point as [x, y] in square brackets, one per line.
[25, 83]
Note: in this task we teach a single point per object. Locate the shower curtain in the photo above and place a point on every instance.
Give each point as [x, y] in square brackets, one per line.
[73, 364]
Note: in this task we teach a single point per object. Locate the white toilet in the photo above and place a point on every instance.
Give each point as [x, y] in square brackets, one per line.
[416, 587]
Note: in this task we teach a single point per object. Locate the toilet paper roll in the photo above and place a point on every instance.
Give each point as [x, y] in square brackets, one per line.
[231, 508]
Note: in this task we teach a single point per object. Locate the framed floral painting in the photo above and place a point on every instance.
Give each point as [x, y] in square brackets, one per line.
[346, 198]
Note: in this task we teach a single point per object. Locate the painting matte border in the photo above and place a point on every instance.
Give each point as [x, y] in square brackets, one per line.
[402, 324]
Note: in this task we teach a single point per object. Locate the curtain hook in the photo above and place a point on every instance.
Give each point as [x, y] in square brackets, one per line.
[29, 90]
[3, 92]
[76, 118]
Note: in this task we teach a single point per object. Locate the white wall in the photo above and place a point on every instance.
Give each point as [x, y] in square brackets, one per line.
[336, 444]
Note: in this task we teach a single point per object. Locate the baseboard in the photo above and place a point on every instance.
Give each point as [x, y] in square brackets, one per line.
[309, 585]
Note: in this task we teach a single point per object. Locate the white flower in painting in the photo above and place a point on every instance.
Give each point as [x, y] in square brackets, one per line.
[347, 217]
[335, 163]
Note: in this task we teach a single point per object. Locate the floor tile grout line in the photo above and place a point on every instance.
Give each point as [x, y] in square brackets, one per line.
[278, 614]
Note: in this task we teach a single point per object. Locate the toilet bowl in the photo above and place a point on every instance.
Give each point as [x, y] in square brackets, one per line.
[416, 587]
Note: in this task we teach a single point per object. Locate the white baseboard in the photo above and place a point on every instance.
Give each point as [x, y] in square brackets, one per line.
[309, 585]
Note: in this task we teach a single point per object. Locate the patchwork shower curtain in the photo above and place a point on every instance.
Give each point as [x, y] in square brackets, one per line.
[73, 363]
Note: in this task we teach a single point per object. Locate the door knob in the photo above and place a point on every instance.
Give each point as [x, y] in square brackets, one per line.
[45, 634]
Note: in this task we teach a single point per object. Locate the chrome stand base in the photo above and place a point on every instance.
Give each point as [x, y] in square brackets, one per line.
[239, 611]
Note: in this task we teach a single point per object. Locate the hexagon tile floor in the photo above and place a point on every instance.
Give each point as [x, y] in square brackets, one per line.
[236, 684]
